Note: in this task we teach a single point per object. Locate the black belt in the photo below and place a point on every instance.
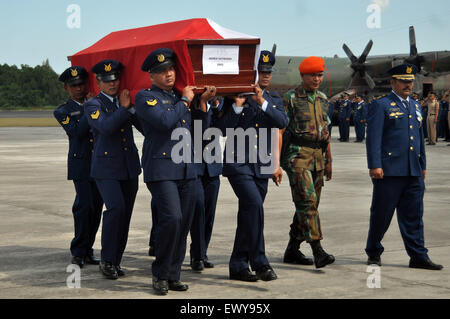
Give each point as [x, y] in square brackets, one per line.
[306, 143]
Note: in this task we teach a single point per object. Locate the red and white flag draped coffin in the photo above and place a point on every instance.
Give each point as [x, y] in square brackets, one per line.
[187, 39]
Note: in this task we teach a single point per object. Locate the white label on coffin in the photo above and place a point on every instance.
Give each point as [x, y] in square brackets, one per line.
[220, 59]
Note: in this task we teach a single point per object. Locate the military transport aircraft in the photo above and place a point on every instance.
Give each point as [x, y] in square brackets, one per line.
[368, 75]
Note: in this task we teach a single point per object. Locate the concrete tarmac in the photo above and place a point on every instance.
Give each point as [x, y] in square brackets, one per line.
[36, 228]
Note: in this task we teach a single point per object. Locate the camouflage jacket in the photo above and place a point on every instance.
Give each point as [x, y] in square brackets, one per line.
[306, 135]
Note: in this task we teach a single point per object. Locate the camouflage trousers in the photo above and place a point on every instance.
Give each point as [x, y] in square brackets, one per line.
[306, 187]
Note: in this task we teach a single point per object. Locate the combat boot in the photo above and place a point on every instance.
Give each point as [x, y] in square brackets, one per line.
[321, 258]
[293, 255]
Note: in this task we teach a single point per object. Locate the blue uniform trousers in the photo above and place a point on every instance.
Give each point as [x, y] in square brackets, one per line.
[151, 242]
[404, 193]
[205, 211]
[360, 129]
[344, 129]
[174, 203]
[87, 213]
[249, 239]
[119, 197]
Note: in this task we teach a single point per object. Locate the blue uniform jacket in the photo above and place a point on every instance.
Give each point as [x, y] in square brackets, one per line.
[345, 110]
[395, 140]
[330, 110]
[70, 116]
[208, 120]
[252, 116]
[360, 111]
[160, 113]
[115, 154]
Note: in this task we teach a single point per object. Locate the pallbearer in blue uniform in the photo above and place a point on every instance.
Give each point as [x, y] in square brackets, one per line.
[259, 113]
[115, 162]
[344, 118]
[170, 175]
[208, 184]
[397, 166]
[87, 208]
[360, 119]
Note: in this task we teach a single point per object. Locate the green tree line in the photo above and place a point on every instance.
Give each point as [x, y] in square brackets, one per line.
[30, 86]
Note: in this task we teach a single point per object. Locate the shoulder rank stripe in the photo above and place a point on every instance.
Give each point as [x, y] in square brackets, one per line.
[95, 115]
[66, 121]
[152, 103]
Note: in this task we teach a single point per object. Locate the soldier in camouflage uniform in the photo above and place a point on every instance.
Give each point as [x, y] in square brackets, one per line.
[306, 158]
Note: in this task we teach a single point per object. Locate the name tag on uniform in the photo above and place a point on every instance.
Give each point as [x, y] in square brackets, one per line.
[166, 102]
[75, 113]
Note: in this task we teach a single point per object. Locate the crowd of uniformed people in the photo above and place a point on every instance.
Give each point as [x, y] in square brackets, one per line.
[104, 165]
[354, 111]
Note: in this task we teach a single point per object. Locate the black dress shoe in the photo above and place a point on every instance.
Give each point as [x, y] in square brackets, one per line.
[424, 264]
[78, 261]
[177, 285]
[266, 273]
[151, 251]
[108, 270]
[374, 261]
[120, 271]
[297, 258]
[208, 264]
[91, 259]
[244, 275]
[161, 286]
[197, 265]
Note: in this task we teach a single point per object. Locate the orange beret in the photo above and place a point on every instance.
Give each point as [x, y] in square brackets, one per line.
[312, 64]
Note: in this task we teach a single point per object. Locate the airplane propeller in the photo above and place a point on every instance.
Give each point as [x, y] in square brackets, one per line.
[414, 57]
[274, 49]
[358, 64]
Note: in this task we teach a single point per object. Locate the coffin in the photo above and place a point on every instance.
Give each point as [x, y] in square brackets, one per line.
[193, 41]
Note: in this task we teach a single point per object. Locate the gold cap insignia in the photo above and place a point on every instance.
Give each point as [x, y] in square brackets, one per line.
[108, 67]
[409, 70]
[95, 115]
[161, 58]
[74, 72]
[152, 103]
[265, 58]
[67, 120]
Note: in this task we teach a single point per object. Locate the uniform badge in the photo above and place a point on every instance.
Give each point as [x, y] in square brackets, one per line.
[95, 115]
[74, 72]
[152, 102]
[161, 58]
[419, 115]
[66, 121]
[108, 67]
[409, 70]
[265, 58]
[393, 104]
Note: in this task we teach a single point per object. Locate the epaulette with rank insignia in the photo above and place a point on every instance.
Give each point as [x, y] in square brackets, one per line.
[379, 97]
